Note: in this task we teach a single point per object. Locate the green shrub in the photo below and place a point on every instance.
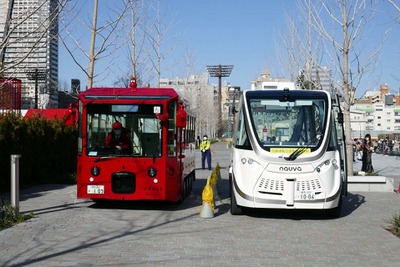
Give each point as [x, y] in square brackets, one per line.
[8, 216]
[394, 223]
[47, 149]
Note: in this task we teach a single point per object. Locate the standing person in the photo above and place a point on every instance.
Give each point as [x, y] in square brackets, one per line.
[120, 139]
[205, 148]
[367, 150]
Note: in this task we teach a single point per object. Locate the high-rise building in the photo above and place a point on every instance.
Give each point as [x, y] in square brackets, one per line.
[30, 48]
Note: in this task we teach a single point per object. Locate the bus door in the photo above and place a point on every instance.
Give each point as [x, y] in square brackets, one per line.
[173, 159]
[341, 140]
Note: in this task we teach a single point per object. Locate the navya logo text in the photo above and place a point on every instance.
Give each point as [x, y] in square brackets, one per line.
[290, 169]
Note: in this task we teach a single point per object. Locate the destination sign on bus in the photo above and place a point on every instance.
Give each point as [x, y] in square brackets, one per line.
[124, 108]
[288, 150]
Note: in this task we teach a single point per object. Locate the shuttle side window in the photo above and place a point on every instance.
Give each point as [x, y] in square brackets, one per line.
[241, 139]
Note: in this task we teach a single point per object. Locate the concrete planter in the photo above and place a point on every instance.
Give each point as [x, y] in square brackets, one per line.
[370, 184]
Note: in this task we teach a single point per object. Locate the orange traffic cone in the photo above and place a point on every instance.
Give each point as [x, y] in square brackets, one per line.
[398, 189]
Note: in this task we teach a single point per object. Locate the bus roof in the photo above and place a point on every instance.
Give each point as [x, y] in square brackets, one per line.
[128, 93]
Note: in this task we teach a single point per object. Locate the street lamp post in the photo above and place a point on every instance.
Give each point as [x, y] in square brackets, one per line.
[220, 71]
[36, 75]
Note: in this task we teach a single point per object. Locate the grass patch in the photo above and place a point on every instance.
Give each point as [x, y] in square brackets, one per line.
[394, 225]
[8, 217]
[366, 174]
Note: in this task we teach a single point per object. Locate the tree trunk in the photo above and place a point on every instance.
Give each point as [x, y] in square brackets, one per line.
[92, 45]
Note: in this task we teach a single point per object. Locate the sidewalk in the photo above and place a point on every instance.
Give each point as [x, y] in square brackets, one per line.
[388, 166]
[71, 232]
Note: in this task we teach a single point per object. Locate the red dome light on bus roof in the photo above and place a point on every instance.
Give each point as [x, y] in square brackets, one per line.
[133, 84]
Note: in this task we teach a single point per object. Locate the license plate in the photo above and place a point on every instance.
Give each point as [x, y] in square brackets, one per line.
[305, 195]
[95, 189]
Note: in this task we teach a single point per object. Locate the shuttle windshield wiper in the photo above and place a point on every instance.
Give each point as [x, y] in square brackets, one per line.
[302, 149]
[296, 153]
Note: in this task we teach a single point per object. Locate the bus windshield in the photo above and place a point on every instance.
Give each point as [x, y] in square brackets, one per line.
[294, 123]
[139, 133]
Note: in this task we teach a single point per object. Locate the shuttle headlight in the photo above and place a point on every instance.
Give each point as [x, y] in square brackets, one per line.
[249, 161]
[95, 171]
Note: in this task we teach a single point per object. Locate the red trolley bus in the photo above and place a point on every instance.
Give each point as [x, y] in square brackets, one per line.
[157, 160]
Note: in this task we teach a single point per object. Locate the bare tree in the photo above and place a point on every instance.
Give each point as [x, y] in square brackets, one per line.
[158, 33]
[342, 23]
[136, 44]
[394, 5]
[303, 47]
[108, 34]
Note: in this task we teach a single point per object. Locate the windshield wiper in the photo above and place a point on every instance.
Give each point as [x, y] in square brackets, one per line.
[296, 153]
[302, 149]
[110, 157]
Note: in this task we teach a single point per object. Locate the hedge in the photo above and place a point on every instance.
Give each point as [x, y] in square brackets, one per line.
[47, 148]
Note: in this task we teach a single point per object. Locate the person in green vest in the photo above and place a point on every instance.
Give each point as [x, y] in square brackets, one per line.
[205, 148]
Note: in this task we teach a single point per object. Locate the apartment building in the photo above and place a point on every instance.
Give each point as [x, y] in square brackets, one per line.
[378, 113]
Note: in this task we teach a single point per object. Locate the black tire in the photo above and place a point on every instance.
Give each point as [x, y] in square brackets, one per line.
[335, 212]
[235, 209]
[191, 178]
[186, 186]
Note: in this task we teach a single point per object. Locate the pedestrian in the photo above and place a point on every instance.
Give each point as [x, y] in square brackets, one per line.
[205, 148]
[367, 150]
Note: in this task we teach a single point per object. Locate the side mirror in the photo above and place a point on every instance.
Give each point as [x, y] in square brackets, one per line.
[181, 116]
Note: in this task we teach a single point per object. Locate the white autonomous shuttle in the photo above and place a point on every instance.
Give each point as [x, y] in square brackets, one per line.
[288, 152]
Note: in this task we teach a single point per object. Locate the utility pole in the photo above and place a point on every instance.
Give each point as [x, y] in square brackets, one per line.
[220, 71]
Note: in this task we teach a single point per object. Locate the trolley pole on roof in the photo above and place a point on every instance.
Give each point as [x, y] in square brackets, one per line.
[220, 71]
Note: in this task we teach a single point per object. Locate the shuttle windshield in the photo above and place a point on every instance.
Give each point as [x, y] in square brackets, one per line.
[281, 122]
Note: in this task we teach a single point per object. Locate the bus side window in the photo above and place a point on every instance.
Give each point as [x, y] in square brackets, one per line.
[171, 150]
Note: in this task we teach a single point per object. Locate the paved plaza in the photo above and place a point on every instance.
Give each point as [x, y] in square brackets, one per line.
[73, 232]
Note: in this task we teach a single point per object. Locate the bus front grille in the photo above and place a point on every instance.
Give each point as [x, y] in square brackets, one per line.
[123, 182]
[277, 186]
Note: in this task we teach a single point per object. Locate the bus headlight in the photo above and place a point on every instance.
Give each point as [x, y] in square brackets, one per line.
[152, 172]
[95, 171]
